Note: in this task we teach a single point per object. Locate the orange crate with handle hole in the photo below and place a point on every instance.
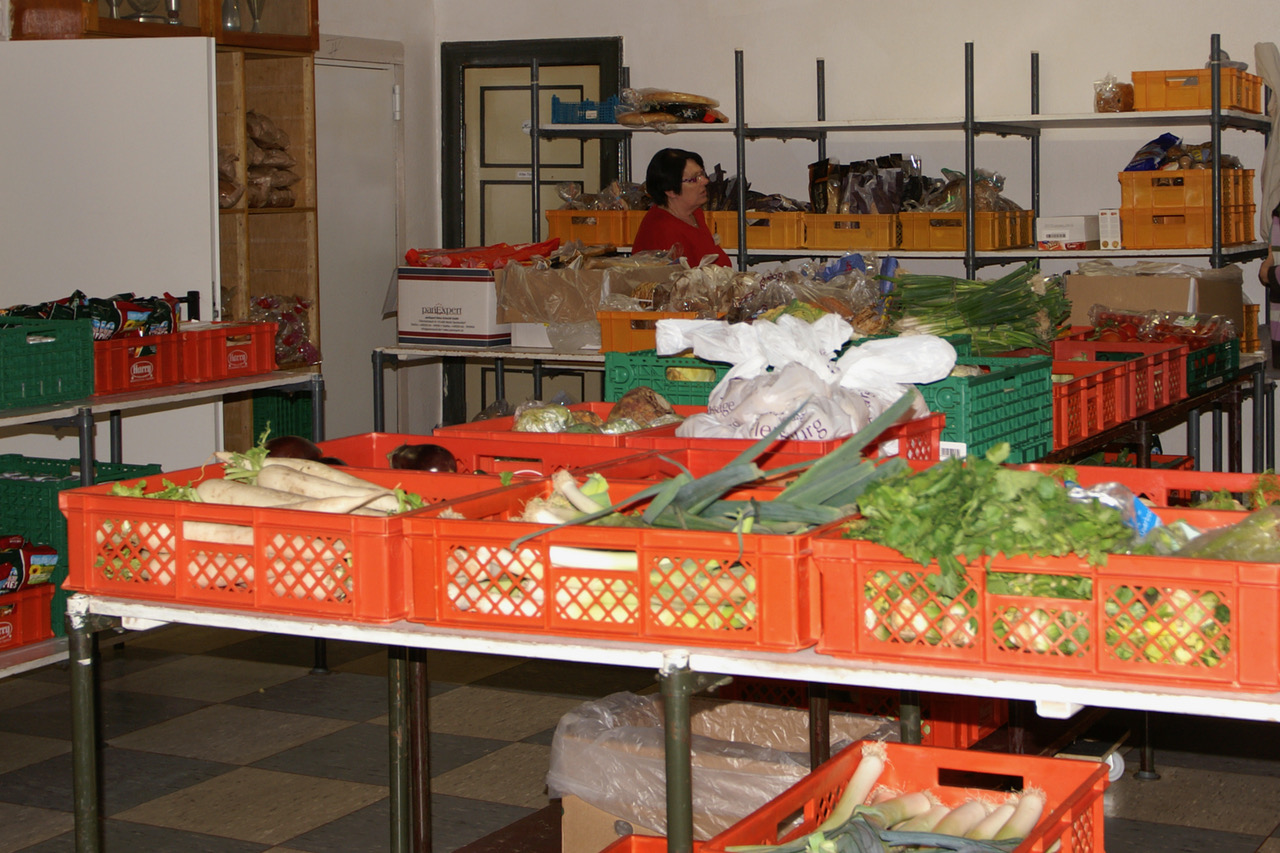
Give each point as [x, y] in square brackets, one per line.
[136, 363]
[1089, 398]
[212, 351]
[691, 587]
[25, 616]
[765, 229]
[1157, 373]
[1137, 619]
[632, 331]
[852, 232]
[1173, 189]
[592, 227]
[1183, 228]
[918, 440]
[347, 567]
[930, 230]
[476, 455]
[1193, 90]
[957, 722]
[501, 428]
[1072, 820]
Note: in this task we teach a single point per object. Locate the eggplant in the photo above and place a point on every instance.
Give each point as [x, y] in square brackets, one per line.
[293, 447]
[423, 457]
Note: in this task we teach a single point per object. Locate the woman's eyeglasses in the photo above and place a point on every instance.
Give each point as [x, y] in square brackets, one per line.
[693, 179]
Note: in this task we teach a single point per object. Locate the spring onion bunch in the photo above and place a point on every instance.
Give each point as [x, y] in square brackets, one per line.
[1021, 309]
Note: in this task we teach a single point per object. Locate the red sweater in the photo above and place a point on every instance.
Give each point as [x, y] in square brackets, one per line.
[660, 230]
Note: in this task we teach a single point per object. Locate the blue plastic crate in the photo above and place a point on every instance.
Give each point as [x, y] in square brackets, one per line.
[584, 112]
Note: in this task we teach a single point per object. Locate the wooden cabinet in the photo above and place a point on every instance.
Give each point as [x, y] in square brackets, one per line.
[278, 24]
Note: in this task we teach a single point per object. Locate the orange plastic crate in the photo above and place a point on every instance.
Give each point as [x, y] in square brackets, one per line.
[1156, 373]
[1193, 90]
[765, 230]
[928, 230]
[853, 232]
[1178, 188]
[500, 428]
[134, 363]
[1093, 400]
[25, 615]
[1155, 620]
[476, 455]
[1072, 818]
[918, 440]
[1183, 228]
[631, 331]
[592, 227]
[212, 351]
[1160, 487]
[644, 844]
[348, 567]
[632, 220]
[957, 722]
[465, 573]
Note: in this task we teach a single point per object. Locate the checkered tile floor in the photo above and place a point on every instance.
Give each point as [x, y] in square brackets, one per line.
[221, 741]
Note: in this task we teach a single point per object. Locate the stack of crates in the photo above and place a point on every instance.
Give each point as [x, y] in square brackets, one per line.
[1173, 209]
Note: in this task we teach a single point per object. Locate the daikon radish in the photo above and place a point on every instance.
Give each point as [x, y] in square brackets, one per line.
[864, 778]
[962, 818]
[241, 494]
[1025, 816]
[221, 534]
[289, 480]
[987, 827]
[321, 470]
[924, 822]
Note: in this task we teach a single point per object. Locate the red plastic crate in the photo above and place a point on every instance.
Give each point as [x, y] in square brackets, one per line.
[136, 363]
[24, 616]
[957, 722]
[689, 587]
[1072, 817]
[918, 440]
[501, 428]
[348, 567]
[1093, 400]
[477, 455]
[1157, 373]
[212, 351]
[1206, 623]
[645, 844]
[1161, 487]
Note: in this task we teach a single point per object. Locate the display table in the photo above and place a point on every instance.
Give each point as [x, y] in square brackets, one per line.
[676, 668]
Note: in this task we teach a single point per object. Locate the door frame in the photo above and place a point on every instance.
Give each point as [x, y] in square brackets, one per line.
[457, 57]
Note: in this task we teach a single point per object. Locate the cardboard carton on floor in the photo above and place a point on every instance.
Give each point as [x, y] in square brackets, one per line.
[1211, 292]
[743, 756]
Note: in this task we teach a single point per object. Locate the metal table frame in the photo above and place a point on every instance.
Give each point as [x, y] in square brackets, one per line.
[680, 674]
[384, 357]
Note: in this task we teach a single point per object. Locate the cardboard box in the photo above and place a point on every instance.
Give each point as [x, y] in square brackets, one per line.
[448, 307]
[1212, 292]
[1062, 233]
[566, 295]
[754, 751]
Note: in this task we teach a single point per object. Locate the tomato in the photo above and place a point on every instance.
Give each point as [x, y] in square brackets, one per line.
[1110, 336]
[1129, 332]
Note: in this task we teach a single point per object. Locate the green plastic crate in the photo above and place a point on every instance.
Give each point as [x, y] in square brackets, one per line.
[626, 370]
[1213, 365]
[44, 362]
[1013, 403]
[288, 413]
[30, 507]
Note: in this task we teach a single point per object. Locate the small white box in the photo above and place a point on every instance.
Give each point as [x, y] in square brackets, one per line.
[448, 307]
[1062, 233]
[1109, 229]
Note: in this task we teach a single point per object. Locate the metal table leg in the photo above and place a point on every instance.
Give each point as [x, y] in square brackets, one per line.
[117, 439]
[909, 715]
[1193, 436]
[380, 360]
[317, 407]
[86, 782]
[1270, 438]
[1216, 434]
[398, 734]
[499, 379]
[1235, 425]
[1261, 408]
[678, 683]
[419, 728]
[537, 380]
[819, 724]
[84, 427]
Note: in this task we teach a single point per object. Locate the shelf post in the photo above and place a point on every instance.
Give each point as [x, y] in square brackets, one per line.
[970, 253]
[84, 427]
[380, 360]
[678, 682]
[1215, 139]
[398, 733]
[1035, 139]
[822, 107]
[740, 140]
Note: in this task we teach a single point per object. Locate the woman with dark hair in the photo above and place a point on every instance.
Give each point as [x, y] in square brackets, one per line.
[676, 181]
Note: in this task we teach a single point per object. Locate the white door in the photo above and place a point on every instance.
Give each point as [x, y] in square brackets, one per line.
[357, 196]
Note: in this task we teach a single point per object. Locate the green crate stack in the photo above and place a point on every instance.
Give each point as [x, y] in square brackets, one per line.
[30, 506]
[1013, 403]
[287, 412]
[626, 370]
[1213, 365]
[44, 362]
